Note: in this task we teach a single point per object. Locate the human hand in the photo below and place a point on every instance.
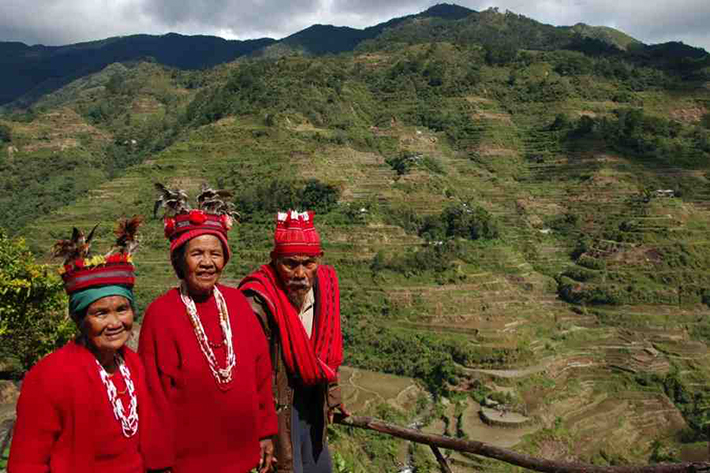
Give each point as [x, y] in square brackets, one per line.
[341, 413]
[266, 455]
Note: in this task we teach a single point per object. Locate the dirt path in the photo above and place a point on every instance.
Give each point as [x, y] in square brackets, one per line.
[512, 373]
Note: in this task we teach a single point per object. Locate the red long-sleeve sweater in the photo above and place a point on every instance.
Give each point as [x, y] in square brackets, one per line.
[198, 426]
[65, 422]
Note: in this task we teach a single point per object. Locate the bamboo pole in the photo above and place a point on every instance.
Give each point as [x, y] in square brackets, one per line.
[440, 458]
[510, 456]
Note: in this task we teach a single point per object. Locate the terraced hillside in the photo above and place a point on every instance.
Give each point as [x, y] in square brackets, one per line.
[526, 243]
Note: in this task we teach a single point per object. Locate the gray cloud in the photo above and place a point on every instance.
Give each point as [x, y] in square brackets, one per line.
[54, 22]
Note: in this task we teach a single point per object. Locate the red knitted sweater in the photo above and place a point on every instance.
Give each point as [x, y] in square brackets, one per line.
[200, 427]
[65, 423]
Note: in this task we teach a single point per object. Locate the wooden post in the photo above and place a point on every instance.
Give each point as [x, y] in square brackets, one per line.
[440, 458]
[510, 456]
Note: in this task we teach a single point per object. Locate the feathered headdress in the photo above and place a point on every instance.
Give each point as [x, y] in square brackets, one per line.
[81, 270]
[76, 247]
[213, 215]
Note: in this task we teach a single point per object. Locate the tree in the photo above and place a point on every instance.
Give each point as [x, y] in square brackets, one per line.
[33, 316]
[319, 196]
[5, 134]
[498, 54]
[115, 84]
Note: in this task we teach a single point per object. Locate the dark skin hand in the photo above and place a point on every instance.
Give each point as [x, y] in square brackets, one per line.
[266, 459]
[337, 413]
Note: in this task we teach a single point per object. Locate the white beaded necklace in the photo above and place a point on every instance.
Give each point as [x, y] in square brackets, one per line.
[129, 425]
[222, 375]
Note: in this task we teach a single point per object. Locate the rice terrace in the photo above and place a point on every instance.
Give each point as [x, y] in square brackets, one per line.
[519, 214]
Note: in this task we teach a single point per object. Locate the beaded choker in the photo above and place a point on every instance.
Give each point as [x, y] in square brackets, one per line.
[223, 376]
[129, 425]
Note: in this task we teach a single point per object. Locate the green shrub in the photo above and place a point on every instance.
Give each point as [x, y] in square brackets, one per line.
[591, 262]
[460, 221]
[422, 356]
[5, 133]
[263, 200]
[33, 307]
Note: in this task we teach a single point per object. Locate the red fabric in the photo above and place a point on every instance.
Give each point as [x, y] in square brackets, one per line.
[199, 426]
[296, 235]
[112, 273]
[65, 423]
[315, 359]
[183, 238]
[183, 227]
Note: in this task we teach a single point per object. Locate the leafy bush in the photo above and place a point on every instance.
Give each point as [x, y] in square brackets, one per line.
[433, 258]
[500, 53]
[5, 134]
[278, 195]
[406, 160]
[649, 138]
[318, 196]
[460, 221]
[422, 356]
[33, 315]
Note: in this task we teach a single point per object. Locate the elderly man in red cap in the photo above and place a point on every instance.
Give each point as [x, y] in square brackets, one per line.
[298, 303]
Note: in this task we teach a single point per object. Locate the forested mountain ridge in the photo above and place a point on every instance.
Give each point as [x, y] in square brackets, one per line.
[38, 70]
[513, 225]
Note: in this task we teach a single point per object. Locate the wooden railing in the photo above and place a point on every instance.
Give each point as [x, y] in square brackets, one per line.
[435, 442]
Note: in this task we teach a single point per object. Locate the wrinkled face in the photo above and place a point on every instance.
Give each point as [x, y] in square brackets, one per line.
[297, 274]
[108, 323]
[204, 261]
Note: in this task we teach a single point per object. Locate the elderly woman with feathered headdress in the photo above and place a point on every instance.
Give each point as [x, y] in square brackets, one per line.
[84, 408]
[207, 362]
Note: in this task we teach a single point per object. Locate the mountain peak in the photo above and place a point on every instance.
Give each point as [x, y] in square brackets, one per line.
[448, 11]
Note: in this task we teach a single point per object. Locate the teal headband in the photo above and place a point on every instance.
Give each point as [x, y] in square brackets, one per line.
[79, 301]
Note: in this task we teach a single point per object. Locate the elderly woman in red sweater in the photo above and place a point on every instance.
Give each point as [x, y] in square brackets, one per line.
[207, 361]
[84, 408]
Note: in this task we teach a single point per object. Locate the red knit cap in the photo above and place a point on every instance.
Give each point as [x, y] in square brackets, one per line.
[184, 227]
[111, 270]
[296, 235]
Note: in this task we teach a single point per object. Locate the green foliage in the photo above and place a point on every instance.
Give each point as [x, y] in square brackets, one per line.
[421, 459]
[116, 84]
[651, 139]
[5, 133]
[4, 457]
[693, 404]
[435, 257]
[460, 221]
[407, 160]
[569, 63]
[33, 317]
[27, 191]
[418, 355]
[500, 53]
[318, 196]
[263, 200]
[662, 453]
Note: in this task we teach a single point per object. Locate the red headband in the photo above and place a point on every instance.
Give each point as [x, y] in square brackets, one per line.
[84, 273]
[296, 235]
[184, 227]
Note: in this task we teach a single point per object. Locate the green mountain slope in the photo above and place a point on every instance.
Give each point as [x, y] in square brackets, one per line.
[36, 70]
[610, 35]
[522, 227]
[39, 70]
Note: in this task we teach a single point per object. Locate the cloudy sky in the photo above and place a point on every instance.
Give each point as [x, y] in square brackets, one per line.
[57, 22]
